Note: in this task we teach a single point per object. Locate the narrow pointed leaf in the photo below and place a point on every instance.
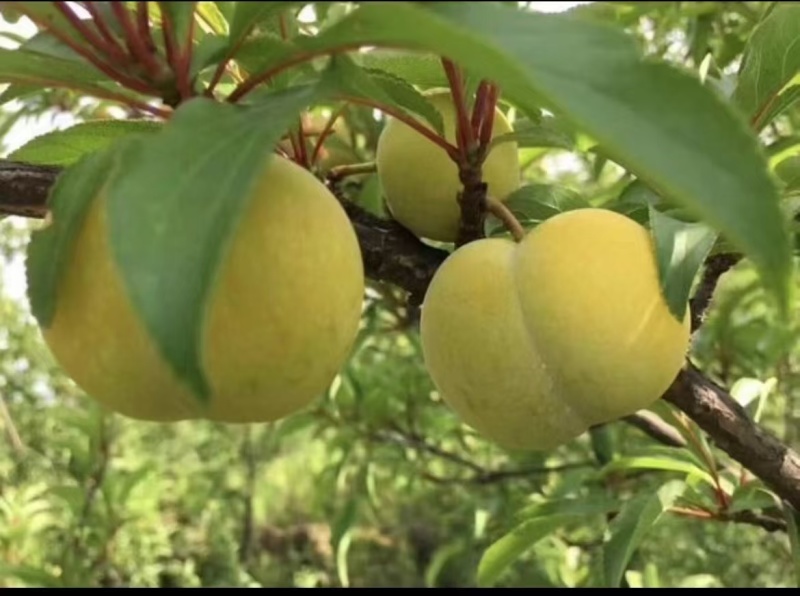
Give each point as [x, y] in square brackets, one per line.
[630, 527]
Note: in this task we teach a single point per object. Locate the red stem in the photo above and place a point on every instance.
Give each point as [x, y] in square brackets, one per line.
[169, 38]
[485, 136]
[133, 40]
[479, 108]
[253, 81]
[722, 497]
[102, 27]
[143, 23]
[466, 141]
[223, 65]
[184, 78]
[326, 131]
[100, 45]
[301, 142]
[178, 59]
[283, 28]
[452, 150]
[106, 69]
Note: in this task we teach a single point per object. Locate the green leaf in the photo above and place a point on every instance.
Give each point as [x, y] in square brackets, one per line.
[46, 15]
[771, 61]
[31, 575]
[22, 66]
[500, 555]
[602, 444]
[211, 14]
[65, 147]
[347, 78]
[249, 15]
[596, 504]
[658, 122]
[534, 203]
[681, 249]
[788, 171]
[629, 528]
[182, 193]
[545, 133]
[421, 69]
[257, 52]
[538, 202]
[666, 464]
[792, 518]
[752, 495]
[50, 248]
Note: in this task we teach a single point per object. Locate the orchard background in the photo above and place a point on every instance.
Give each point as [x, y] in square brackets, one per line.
[378, 483]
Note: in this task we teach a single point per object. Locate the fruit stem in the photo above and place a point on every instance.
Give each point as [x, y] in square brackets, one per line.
[179, 58]
[426, 132]
[479, 108]
[253, 81]
[302, 147]
[136, 45]
[106, 69]
[351, 169]
[143, 24]
[466, 140]
[113, 52]
[105, 32]
[487, 121]
[504, 214]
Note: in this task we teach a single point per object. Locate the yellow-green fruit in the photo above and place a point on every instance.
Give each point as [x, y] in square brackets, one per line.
[420, 181]
[532, 343]
[281, 319]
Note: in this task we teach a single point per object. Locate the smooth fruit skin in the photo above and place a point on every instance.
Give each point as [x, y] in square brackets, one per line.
[420, 181]
[281, 320]
[533, 343]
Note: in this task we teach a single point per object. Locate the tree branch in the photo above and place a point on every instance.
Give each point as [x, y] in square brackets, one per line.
[733, 431]
[392, 254]
[716, 267]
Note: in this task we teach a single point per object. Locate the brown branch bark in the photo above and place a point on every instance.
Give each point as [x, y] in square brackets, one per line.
[392, 254]
[716, 267]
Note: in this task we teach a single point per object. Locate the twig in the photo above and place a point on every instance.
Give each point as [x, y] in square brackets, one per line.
[733, 431]
[466, 140]
[102, 27]
[715, 267]
[653, 426]
[351, 169]
[505, 215]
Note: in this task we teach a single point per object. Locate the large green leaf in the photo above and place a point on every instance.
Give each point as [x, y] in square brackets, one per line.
[651, 118]
[50, 248]
[173, 209]
[22, 66]
[65, 147]
[629, 528]
[770, 63]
